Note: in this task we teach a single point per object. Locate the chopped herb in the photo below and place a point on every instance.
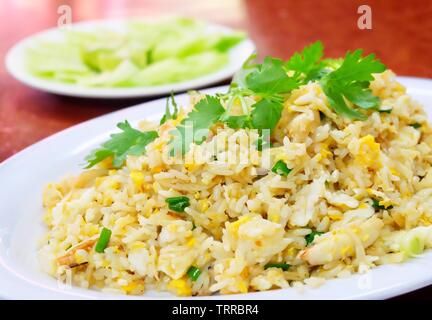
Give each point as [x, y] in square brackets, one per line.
[193, 225]
[129, 142]
[248, 66]
[350, 82]
[281, 168]
[263, 142]
[206, 113]
[270, 78]
[168, 115]
[178, 204]
[103, 241]
[415, 125]
[261, 90]
[377, 206]
[311, 236]
[307, 65]
[389, 110]
[266, 114]
[283, 266]
[322, 115]
[237, 122]
[193, 273]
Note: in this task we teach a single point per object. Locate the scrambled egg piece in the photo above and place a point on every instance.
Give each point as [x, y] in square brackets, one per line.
[369, 152]
[138, 179]
[235, 225]
[181, 287]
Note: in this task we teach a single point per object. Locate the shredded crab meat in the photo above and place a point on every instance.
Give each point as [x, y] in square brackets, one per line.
[69, 258]
[341, 243]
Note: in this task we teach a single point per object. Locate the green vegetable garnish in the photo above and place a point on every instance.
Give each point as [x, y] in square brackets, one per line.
[377, 206]
[385, 110]
[193, 273]
[129, 142]
[168, 115]
[263, 142]
[142, 54]
[350, 83]
[415, 125]
[270, 78]
[237, 122]
[322, 115]
[205, 113]
[307, 65]
[281, 168]
[260, 90]
[413, 242]
[178, 204]
[283, 266]
[311, 236]
[103, 241]
[266, 114]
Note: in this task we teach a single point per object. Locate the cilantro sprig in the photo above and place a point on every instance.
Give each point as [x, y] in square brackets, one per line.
[308, 65]
[348, 85]
[261, 89]
[311, 236]
[168, 115]
[129, 142]
[195, 127]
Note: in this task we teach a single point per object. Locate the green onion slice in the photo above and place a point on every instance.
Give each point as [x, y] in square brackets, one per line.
[385, 110]
[311, 236]
[377, 206]
[193, 273]
[178, 204]
[283, 266]
[103, 241]
[281, 168]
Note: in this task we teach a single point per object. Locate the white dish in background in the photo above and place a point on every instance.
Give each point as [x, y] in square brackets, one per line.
[24, 175]
[15, 64]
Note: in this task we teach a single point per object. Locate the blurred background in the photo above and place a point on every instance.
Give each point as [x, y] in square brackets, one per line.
[401, 36]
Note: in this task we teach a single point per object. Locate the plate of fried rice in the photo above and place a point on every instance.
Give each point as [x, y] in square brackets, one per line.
[272, 188]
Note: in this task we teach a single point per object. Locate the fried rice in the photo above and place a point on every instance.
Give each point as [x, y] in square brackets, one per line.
[363, 187]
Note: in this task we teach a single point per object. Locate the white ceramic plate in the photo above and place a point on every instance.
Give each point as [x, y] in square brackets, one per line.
[15, 64]
[23, 176]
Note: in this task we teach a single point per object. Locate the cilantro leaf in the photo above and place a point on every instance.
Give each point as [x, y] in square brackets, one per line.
[237, 122]
[270, 78]
[195, 127]
[129, 142]
[266, 114]
[350, 82]
[307, 65]
[357, 68]
[337, 102]
[168, 115]
[283, 266]
[239, 78]
[311, 236]
[263, 141]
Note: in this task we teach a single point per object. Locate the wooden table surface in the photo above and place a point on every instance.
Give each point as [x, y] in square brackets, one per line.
[401, 36]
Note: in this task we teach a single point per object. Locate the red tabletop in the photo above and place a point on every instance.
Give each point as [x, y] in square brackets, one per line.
[401, 36]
